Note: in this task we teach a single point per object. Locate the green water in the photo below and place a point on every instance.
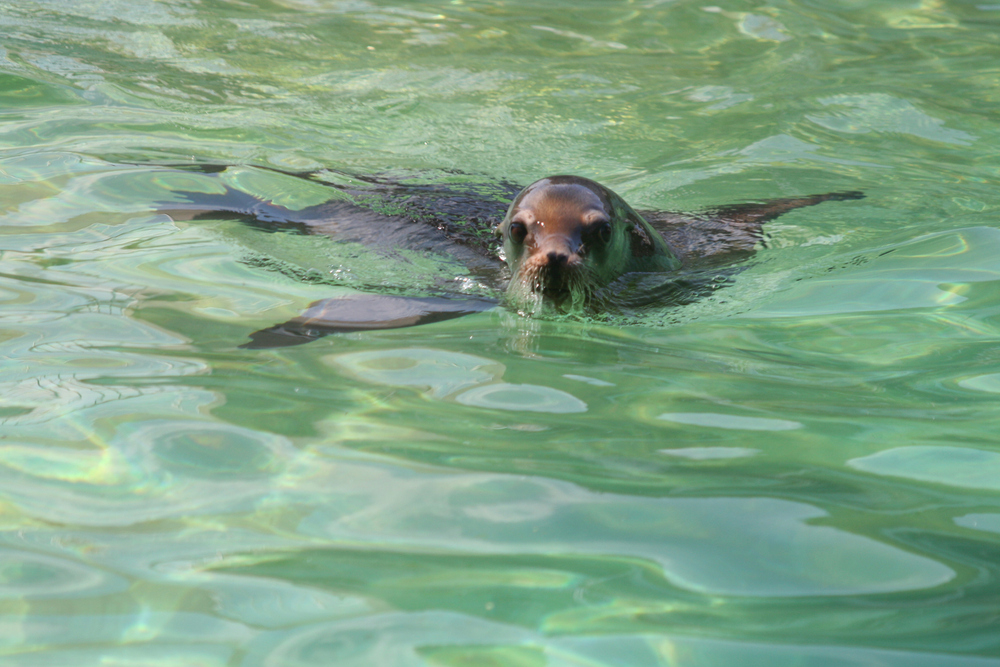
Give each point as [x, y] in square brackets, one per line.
[803, 469]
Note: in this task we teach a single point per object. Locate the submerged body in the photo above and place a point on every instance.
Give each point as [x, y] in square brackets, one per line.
[568, 243]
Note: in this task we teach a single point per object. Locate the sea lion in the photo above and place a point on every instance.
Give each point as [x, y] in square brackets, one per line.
[564, 240]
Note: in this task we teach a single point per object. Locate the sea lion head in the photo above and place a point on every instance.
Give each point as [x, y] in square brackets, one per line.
[566, 236]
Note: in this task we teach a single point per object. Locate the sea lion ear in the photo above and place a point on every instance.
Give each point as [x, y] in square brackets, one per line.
[642, 245]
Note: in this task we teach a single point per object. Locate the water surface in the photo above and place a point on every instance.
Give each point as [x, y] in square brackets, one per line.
[801, 469]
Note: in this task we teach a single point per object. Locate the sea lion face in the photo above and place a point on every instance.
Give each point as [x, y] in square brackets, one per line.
[565, 236]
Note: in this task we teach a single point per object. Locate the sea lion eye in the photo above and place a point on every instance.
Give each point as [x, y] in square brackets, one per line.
[517, 232]
[601, 233]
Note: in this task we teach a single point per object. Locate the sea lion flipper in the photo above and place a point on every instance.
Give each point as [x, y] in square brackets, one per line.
[756, 214]
[231, 203]
[728, 233]
[362, 312]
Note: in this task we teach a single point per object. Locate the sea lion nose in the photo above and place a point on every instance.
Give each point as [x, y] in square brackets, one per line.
[557, 258]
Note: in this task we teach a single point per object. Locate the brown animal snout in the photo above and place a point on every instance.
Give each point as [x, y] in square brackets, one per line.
[555, 251]
[552, 265]
[556, 259]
